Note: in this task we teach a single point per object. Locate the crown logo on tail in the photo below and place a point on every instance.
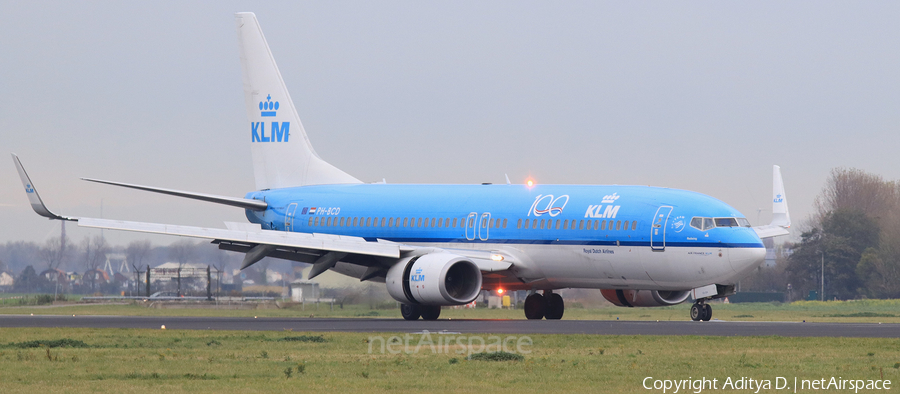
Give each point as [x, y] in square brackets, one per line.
[268, 108]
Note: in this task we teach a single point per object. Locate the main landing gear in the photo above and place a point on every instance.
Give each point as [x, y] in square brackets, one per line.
[549, 305]
[701, 311]
[427, 312]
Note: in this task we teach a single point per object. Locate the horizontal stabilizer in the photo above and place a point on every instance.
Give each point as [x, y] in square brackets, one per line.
[254, 205]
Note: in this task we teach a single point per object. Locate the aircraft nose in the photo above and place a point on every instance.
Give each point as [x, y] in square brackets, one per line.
[744, 260]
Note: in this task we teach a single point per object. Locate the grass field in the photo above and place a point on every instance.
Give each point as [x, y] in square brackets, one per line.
[884, 311]
[125, 361]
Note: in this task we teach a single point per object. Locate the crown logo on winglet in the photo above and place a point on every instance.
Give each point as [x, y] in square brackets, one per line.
[268, 108]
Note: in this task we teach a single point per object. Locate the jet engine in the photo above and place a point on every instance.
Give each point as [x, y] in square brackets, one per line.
[434, 279]
[644, 298]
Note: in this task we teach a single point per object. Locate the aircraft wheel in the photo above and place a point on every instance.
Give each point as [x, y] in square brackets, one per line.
[535, 306]
[410, 312]
[430, 312]
[707, 312]
[555, 307]
[696, 312]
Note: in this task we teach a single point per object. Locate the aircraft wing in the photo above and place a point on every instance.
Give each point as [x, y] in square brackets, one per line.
[321, 250]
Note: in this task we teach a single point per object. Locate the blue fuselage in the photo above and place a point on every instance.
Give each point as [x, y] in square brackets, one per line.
[504, 214]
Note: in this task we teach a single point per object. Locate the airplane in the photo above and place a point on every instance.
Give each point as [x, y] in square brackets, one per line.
[435, 245]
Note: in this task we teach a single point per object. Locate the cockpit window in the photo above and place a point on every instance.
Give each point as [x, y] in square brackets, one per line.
[726, 222]
[703, 224]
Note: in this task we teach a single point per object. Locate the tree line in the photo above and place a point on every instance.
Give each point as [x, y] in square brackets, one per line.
[853, 238]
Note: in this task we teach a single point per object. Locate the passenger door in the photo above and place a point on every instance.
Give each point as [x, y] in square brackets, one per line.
[658, 228]
[289, 217]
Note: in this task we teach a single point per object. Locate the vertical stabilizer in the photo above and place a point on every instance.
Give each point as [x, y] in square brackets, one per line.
[780, 215]
[282, 154]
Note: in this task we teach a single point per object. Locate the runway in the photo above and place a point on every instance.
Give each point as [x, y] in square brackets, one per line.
[602, 327]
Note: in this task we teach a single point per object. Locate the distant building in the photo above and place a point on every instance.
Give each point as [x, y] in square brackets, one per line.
[6, 280]
[304, 290]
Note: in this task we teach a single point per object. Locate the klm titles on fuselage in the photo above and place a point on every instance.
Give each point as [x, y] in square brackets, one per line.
[278, 132]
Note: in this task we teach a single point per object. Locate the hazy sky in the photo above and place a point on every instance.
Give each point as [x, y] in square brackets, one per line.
[704, 96]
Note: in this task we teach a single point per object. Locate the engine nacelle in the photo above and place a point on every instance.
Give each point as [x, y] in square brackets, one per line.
[645, 298]
[434, 279]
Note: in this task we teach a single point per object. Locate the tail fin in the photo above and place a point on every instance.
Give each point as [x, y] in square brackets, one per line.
[781, 218]
[282, 154]
[780, 215]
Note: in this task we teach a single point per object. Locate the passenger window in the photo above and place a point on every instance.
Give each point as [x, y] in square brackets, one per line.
[432, 222]
[542, 223]
[504, 223]
[634, 225]
[329, 222]
[557, 224]
[526, 223]
[603, 224]
[519, 224]
[310, 222]
[382, 221]
[565, 225]
[440, 222]
[534, 224]
[581, 224]
[618, 225]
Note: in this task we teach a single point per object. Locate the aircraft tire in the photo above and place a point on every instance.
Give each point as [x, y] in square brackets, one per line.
[430, 312]
[707, 312]
[410, 312]
[555, 307]
[535, 306]
[696, 312]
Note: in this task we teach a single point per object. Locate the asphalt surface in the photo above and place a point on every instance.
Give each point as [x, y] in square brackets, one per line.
[604, 327]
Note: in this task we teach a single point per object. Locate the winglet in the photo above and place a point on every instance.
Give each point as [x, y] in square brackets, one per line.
[36, 203]
[780, 215]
